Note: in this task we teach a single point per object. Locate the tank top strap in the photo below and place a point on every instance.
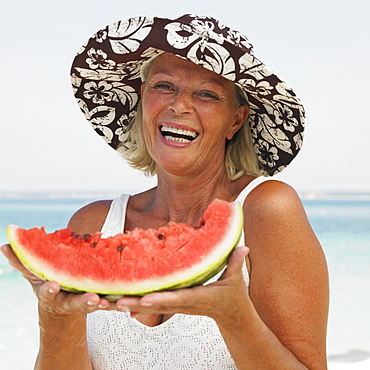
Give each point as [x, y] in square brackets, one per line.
[252, 185]
[116, 217]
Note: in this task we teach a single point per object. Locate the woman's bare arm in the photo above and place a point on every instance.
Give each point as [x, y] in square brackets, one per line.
[289, 283]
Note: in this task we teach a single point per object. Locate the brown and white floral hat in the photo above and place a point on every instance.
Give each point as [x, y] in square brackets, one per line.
[106, 79]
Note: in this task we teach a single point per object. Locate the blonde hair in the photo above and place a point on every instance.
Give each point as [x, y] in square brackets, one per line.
[240, 157]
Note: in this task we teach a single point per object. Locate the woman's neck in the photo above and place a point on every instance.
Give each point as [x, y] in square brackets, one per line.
[184, 200]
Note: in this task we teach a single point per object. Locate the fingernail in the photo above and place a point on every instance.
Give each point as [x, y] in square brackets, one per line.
[146, 304]
[51, 291]
[100, 306]
[91, 303]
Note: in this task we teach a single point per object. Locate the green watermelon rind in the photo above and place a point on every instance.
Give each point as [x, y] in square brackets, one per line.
[194, 275]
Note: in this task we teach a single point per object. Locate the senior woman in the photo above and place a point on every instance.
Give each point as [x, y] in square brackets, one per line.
[186, 100]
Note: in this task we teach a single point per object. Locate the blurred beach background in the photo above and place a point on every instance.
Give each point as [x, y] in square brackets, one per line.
[52, 163]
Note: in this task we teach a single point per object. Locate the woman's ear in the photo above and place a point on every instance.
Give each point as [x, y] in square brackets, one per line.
[240, 116]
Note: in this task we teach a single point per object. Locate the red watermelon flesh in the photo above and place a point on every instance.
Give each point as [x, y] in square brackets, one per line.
[136, 262]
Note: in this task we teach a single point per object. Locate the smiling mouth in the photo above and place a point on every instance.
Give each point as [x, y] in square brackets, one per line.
[178, 135]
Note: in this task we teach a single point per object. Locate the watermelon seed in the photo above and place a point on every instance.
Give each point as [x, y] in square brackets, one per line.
[160, 236]
[93, 245]
[86, 237]
[120, 248]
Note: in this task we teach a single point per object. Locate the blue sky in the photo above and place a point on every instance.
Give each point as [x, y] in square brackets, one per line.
[320, 48]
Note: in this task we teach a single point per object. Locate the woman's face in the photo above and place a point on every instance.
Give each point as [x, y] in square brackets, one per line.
[188, 113]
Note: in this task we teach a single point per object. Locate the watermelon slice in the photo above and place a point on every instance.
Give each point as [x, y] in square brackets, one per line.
[134, 263]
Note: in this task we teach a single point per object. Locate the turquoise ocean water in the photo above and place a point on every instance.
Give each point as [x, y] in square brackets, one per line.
[342, 226]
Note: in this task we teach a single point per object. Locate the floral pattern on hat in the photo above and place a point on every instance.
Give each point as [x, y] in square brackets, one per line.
[126, 37]
[106, 80]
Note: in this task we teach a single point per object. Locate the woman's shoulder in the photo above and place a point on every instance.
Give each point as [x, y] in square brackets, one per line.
[273, 197]
[274, 215]
[90, 218]
[276, 221]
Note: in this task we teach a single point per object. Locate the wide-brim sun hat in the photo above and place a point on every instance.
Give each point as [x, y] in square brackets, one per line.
[106, 80]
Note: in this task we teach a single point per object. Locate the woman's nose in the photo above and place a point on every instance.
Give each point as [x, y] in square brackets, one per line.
[181, 103]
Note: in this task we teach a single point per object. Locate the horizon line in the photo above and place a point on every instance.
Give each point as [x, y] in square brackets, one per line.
[92, 194]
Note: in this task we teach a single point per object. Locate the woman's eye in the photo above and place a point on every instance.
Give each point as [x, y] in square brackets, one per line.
[163, 87]
[207, 95]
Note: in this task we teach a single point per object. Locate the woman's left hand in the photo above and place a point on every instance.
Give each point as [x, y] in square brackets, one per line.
[217, 300]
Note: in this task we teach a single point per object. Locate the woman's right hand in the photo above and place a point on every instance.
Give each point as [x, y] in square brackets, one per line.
[50, 296]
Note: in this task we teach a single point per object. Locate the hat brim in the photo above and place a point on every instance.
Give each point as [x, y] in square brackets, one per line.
[106, 80]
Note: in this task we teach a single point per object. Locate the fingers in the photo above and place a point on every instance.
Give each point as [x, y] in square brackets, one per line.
[192, 301]
[12, 258]
[18, 265]
[50, 295]
[58, 302]
[236, 261]
[169, 300]
[196, 300]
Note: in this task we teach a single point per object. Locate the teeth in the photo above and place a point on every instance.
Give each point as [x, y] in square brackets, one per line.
[179, 131]
[177, 139]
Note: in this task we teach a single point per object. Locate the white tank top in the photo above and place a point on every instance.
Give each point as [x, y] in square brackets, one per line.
[117, 342]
